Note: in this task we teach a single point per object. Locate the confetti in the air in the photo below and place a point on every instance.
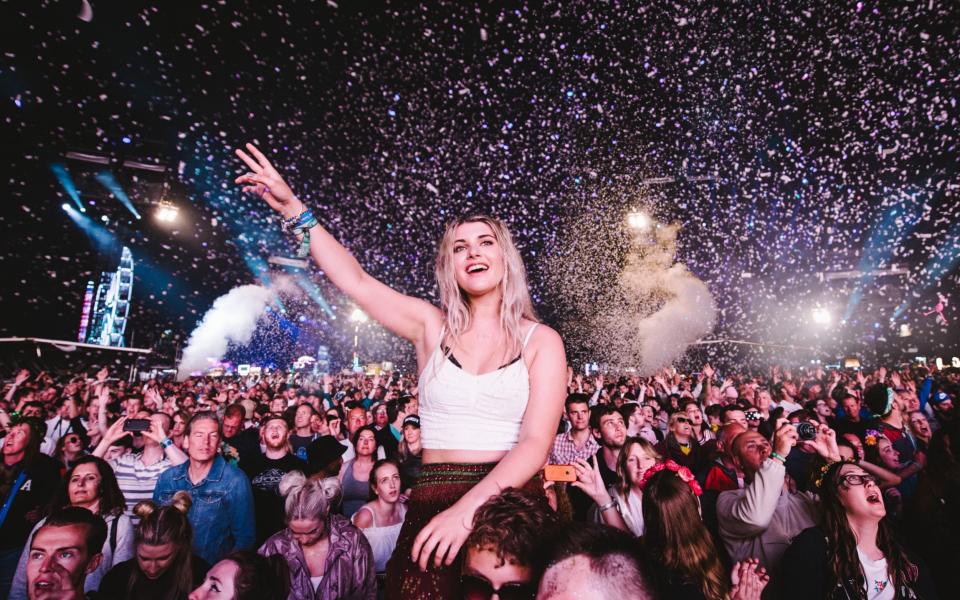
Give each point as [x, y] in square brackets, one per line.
[805, 153]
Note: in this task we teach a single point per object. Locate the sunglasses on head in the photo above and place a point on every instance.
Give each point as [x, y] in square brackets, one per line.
[477, 588]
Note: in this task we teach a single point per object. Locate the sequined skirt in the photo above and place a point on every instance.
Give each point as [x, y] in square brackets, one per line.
[440, 485]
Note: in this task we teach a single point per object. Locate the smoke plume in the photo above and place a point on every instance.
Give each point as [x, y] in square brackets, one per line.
[231, 320]
[643, 315]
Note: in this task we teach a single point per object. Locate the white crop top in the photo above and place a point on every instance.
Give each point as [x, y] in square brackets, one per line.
[460, 411]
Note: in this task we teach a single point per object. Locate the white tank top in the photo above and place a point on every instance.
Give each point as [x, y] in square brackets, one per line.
[460, 411]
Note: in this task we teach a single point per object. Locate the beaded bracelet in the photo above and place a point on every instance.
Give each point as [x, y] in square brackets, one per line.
[300, 226]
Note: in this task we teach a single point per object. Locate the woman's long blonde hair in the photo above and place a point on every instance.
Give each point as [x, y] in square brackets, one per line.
[515, 303]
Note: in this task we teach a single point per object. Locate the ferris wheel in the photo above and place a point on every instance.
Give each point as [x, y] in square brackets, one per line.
[112, 303]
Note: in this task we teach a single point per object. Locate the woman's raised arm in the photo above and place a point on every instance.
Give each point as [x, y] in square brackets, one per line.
[403, 315]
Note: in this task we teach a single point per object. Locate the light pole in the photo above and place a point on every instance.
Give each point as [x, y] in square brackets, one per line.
[358, 317]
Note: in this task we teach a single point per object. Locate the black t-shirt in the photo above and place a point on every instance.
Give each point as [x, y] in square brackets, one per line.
[265, 475]
[299, 444]
[389, 443]
[114, 583]
[247, 443]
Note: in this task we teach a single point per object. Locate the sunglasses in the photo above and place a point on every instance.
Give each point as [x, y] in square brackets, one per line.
[476, 588]
[854, 479]
[684, 420]
[72, 440]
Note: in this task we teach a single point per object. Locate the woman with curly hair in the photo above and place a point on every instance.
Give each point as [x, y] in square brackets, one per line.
[853, 553]
[505, 550]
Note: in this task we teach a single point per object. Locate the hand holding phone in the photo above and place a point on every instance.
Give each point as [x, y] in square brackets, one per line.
[564, 473]
[136, 425]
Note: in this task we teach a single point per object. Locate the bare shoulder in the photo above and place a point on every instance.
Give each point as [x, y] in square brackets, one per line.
[545, 348]
[543, 337]
[362, 518]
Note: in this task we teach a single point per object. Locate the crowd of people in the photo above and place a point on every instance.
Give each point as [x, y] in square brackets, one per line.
[787, 484]
[492, 474]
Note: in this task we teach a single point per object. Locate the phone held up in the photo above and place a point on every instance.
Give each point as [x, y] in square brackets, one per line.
[564, 473]
[136, 425]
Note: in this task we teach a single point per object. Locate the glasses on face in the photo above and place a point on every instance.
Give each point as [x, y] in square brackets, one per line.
[684, 420]
[72, 440]
[854, 479]
[476, 588]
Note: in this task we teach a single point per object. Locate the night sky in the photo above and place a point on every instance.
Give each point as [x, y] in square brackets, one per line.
[785, 140]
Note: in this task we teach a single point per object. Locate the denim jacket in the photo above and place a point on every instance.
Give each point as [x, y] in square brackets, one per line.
[222, 509]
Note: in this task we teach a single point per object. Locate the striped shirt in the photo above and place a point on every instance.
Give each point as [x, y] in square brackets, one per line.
[136, 479]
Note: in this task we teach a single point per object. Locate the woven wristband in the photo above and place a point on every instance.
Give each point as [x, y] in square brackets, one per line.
[300, 227]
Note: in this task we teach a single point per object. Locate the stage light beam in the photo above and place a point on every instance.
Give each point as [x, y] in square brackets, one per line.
[109, 181]
[66, 182]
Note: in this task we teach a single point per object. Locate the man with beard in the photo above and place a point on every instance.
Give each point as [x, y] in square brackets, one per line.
[265, 471]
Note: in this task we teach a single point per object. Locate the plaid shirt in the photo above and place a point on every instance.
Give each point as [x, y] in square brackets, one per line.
[564, 451]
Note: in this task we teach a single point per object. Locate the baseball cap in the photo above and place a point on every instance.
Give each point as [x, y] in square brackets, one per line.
[940, 397]
[323, 451]
[411, 420]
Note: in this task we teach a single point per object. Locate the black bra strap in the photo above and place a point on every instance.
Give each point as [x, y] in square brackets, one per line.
[456, 362]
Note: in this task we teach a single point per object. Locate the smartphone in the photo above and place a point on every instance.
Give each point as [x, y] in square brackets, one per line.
[559, 473]
[136, 425]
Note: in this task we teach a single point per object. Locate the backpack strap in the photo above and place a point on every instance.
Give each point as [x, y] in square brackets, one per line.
[113, 536]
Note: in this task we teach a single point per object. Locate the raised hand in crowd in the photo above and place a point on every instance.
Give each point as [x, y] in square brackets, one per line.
[748, 580]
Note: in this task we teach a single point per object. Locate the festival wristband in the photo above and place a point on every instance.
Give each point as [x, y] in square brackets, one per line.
[166, 443]
[300, 227]
[777, 456]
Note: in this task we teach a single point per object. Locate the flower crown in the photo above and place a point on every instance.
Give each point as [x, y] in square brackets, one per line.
[826, 468]
[682, 472]
[870, 437]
